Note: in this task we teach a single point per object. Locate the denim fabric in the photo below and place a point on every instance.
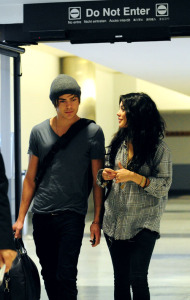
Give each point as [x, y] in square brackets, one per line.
[58, 240]
[131, 260]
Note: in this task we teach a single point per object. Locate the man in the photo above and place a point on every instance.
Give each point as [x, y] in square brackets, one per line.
[7, 247]
[60, 202]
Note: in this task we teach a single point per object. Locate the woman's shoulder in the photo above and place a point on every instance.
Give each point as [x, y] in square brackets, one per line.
[163, 146]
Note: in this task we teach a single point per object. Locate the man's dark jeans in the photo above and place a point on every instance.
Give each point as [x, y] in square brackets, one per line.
[58, 240]
[131, 260]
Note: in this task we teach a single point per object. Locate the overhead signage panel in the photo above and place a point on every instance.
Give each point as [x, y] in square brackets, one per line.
[101, 21]
[98, 14]
[117, 15]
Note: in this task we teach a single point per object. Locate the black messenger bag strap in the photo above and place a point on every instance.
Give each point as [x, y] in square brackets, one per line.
[63, 141]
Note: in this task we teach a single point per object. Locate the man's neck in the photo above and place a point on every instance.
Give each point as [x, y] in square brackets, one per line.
[61, 125]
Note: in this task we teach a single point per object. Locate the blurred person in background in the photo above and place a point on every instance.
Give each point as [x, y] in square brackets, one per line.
[7, 247]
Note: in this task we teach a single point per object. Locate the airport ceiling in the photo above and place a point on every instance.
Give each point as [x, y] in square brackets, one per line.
[166, 63]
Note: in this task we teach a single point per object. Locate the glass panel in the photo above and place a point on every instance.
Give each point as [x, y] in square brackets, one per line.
[7, 124]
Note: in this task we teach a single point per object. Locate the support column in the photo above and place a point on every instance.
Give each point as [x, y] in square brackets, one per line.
[84, 73]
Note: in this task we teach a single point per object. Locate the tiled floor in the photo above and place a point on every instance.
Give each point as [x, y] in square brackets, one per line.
[169, 273]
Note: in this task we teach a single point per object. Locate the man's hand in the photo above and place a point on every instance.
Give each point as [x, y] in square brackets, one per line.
[95, 234]
[6, 257]
[17, 227]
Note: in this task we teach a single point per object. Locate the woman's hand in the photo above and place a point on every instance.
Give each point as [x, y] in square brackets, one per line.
[108, 174]
[122, 175]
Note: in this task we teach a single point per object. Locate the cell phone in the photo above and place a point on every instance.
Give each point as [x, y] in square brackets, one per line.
[2, 272]
[93, 241]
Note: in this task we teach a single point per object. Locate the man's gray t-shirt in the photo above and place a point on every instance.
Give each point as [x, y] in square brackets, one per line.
[65, 183]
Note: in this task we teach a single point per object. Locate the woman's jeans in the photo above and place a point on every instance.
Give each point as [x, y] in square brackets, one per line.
[131, 260]
[58, 240]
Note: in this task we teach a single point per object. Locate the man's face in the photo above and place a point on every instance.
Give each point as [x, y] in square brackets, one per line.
[68, 106]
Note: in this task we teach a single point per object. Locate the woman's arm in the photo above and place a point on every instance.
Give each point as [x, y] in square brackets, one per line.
[161, 178]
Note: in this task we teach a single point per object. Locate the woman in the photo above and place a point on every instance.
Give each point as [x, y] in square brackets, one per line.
[137, 178]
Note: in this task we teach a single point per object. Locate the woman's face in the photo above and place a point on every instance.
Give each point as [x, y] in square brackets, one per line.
[122, 116]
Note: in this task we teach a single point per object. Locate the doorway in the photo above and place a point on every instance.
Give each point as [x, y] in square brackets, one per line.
[10, 145]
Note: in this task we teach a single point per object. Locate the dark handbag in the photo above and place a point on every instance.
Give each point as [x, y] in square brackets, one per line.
[62, 142]
[22, 282]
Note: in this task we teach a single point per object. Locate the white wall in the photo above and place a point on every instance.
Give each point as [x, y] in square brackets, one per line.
[166, 100]
[109, 86]
[180, 145]
[38, 70]
[176, 120]
[123, 84]
[105, 109]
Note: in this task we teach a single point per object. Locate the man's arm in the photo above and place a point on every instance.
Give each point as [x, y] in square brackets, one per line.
[98, 197]
[27, 193]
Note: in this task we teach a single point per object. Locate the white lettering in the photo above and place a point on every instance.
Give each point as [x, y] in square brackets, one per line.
[99, 21]
[89, 12]
[143, 11]
[92, 13]
[113, 20]
[111, 12]
[127, 11]
[76, 22]
[96, 13]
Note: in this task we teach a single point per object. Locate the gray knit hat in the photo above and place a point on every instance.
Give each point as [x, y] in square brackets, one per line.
[64, 84]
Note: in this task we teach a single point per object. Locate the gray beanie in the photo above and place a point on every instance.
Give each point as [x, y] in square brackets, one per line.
[63, 84]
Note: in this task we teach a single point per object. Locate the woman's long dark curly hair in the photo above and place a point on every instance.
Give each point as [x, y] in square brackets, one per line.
[145, 128]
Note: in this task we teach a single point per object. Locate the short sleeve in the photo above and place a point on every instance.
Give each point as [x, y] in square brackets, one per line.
[33, 145]
[97, 149]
